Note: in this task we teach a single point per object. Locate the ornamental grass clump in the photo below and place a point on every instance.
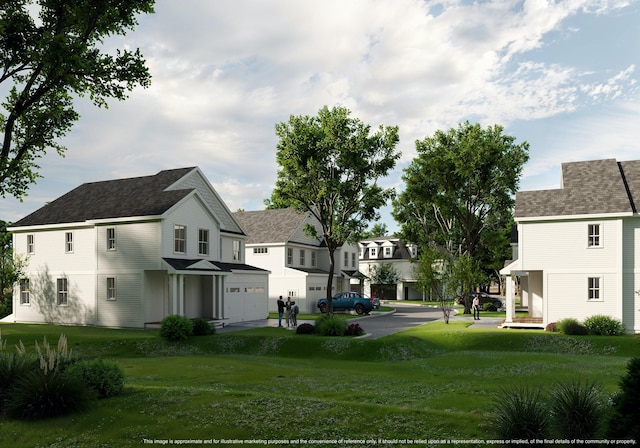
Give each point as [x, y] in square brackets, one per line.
[625, 415]
[520, 413]
[577, 410]
[571, 326]
[602, 325]
[330, 325]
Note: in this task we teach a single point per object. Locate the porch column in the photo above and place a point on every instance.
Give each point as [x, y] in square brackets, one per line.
[181, 294]
[510, 297]
[173, 294]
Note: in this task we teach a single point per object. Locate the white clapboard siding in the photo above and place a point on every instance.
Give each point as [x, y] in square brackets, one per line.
[126, 309]
[138, 247]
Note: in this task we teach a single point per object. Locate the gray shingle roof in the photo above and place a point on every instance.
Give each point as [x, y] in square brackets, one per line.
[270, 226]
[137, 196]
[592, 187]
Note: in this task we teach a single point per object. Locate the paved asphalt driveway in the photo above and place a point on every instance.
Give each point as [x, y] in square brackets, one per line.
[378, 325]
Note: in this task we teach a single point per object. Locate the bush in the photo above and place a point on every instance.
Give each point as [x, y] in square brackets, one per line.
[571, 326]
[105, 378]
[520, 413]
[202, 327]
[176, 328]
[551, 327]
[604, 325]
[39, 395]
[626, 405]
[354, 330]
[330, 325]
[305, 329]
[489, 307]
[577, 410]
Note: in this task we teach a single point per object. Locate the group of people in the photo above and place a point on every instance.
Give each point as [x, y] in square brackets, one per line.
[291, 309]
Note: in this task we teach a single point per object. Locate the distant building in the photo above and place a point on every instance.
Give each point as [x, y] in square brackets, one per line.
[298, 264]
[391, 253]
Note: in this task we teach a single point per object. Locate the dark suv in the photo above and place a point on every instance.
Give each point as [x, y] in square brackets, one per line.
[484, 299]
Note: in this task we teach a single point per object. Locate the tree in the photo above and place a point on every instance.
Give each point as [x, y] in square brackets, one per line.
[11, 270]
[381, 275]
[460, 191]
[46, 61]
[329, 167]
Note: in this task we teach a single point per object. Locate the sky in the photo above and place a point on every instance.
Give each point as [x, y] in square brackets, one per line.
[560, 75]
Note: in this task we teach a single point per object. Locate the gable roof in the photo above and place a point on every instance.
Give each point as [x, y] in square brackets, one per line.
[400, 251]
[591, 187]
[270, 226]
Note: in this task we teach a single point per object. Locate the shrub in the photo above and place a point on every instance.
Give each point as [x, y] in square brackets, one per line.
[520, 413]
[13, 366]
[551, 327]
[354, 330]
[490, 307]
[39, 395]
[625, 414]
[105, 378]
[571, 326]
[305, 329]
[202, 327]
[604, 325]
[330, 325]
[176, 328]
[577, 410]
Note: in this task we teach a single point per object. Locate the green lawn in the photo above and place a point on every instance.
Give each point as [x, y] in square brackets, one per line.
[435, 381]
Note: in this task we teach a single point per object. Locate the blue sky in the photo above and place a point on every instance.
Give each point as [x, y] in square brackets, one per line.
[561, 75]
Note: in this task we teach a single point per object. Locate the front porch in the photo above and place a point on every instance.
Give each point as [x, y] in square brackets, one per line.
[528, 285]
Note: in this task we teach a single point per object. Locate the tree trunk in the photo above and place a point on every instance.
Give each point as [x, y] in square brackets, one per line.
[330, 279]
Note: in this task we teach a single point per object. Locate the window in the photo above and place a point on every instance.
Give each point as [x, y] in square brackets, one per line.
[236, 250]
[346, 259]
[180, 239]
[68, 242]
[313, 259]
[63, 293]
[289, 256]
[372, 252]
[25, 292]
[387, 251]
[203, 242]
[302, 255]
[260, 250]
[30, 245]
[111, 238]
[594, 235]
[594, 288]
[111, 288]
[353, 260]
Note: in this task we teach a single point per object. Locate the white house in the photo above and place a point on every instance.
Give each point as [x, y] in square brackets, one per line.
[396, 254]
[298, 263]
[128, 252]
[579, 246]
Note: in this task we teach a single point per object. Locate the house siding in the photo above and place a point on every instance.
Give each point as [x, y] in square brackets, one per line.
[137, 247]
[194, 216]
[567, 296]
[127, 309]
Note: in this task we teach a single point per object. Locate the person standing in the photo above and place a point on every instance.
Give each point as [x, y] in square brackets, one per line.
[294, 314]
[476, 308]
[287, 306]
[280, 311]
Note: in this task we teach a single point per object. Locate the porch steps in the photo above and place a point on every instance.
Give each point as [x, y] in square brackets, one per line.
[524, 322]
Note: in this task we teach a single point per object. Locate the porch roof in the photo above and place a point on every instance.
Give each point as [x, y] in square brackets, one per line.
[515, 265]
[198, 264]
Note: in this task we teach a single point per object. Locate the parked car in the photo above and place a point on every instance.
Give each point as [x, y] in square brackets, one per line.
[350, 301]
[484, 299]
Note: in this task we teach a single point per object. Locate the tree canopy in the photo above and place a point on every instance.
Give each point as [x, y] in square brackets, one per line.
[329, 166]
[50, 52]
[459, 192]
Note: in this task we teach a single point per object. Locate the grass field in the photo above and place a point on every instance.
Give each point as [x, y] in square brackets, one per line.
[434, 382]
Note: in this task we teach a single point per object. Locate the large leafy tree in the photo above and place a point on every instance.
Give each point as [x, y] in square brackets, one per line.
[329, 166]
[50, 52]
[460, 193]
[11, 269]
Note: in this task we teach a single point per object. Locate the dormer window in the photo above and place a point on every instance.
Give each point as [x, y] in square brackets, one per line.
[387, 252]
[373, 252]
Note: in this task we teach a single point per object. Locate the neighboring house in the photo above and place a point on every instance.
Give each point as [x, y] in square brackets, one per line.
[299, 264]
[128, 252]
[389, 253]
[579, 246]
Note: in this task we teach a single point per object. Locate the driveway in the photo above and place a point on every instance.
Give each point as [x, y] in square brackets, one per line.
[375, 325]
